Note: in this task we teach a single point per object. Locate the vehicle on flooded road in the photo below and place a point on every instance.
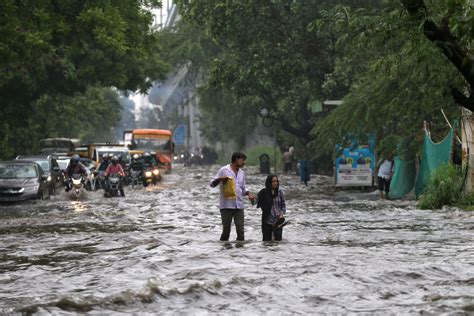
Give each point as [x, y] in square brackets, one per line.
[58, 145]
[114, 186]
[50, 167]
[22, 180]
[156, 141]
[77, 185]
[90, 166]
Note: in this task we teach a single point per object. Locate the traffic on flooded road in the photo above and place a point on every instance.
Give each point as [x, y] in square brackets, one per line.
[157, 250]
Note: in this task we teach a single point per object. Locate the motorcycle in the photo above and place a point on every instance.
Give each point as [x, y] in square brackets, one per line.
[99, 180]
[135, 178]
[77, 185]
[114, 187]
[152, 176]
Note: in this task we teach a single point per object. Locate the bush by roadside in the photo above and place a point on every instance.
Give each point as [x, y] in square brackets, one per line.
[444, 188]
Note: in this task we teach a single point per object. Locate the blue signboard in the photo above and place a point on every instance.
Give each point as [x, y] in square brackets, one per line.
[355, 165]
[179, 135]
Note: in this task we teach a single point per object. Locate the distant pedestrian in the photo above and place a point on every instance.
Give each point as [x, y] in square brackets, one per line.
[384, 175]
[291, 150]
[287, 162]
[232, 192]
[272, 202]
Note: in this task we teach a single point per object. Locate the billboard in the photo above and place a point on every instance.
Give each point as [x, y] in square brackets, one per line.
[354, 166]
[179, 135]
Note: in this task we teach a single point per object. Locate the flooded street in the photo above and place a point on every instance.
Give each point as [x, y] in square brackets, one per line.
[157, 252]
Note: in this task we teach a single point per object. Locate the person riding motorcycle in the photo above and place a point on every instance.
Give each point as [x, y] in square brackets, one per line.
[114, 167]
[152, 174]
[136, 164]
[104, 163]
[99, 172]
[74, 167]
[148, 160]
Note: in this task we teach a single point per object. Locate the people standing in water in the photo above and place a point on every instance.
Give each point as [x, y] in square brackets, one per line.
[232, 179]
[272, 202]
[384, 175]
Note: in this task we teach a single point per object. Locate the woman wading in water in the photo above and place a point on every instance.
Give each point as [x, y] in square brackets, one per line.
[272, 202]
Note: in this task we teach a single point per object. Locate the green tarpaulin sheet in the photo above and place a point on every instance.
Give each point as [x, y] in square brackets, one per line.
[403, 179]
[433, 155]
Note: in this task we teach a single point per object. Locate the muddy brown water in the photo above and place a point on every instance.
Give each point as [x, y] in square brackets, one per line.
[156, 251]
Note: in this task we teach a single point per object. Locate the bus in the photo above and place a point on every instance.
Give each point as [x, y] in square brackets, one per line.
[158, 142]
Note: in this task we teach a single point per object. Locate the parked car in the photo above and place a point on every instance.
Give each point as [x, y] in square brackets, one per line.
[22, 180]
[50, 167]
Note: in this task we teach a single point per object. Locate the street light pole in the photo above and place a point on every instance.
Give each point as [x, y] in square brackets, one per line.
[275, 149]
[268, 120]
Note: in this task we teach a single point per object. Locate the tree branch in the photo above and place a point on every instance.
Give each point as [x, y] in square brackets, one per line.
[442, 37]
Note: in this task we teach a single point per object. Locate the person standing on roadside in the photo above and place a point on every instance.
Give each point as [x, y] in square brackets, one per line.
[232, 191]
[384, 175]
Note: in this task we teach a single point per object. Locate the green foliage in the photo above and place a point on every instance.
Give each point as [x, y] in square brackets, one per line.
[443, 188]
[253, 155]
[387, 97]
[288, 55]
[267, 53]
[89, 117]
[55, 50]
[466, 201]
[224, 117]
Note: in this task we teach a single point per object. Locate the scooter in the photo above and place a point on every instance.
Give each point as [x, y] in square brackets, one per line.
[77, 185]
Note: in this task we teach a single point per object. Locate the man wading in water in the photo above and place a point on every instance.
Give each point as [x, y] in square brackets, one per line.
[232, 192]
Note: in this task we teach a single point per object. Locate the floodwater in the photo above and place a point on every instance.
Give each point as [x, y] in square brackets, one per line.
[157, 252]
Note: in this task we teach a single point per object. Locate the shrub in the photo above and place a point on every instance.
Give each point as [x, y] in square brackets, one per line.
[443, 188]
[466, 201]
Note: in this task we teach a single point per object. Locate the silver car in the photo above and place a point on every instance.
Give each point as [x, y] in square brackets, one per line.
[22, 180]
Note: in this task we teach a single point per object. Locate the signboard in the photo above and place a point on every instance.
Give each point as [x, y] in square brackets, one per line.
[355, 166]
[179, 135]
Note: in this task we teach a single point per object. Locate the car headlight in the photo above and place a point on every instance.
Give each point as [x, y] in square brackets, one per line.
[148, 173]
[48, 179]
[156, 172]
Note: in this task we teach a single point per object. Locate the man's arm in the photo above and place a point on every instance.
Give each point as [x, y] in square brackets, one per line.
[218, 178]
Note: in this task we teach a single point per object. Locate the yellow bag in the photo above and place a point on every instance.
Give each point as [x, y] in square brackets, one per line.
[229, 189]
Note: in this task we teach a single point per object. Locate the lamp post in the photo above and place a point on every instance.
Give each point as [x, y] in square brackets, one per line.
[268, 121]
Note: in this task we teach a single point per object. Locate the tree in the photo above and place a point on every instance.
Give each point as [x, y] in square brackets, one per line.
[266, 54]
[271, 52]
[450, 26]
[52, 48]
[398, 79]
